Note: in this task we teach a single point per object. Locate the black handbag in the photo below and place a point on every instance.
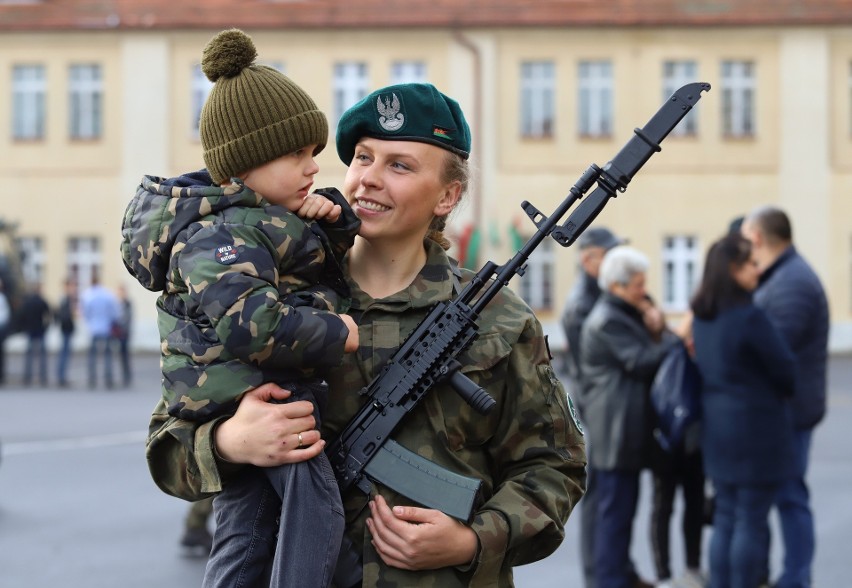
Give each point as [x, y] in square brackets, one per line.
[676, 397]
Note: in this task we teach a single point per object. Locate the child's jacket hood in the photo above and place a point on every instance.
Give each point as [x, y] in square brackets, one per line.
[161, 210]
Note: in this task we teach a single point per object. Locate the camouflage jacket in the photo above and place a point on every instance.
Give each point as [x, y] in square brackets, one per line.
[248, 288]
[529, 451]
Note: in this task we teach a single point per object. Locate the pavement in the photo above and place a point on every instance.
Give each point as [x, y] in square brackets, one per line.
[78, 507]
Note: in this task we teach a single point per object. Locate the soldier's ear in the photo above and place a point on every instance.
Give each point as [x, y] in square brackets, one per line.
[449, 198]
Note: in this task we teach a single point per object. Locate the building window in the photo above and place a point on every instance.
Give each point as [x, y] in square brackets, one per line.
[675, 75]
[29, 89]
[537, 99]
[596, 95]
[85, 101]
[680, 271]
[31, 250]
[83, 261]
[350, 85]
[738, 98]
[537, 282]
[407, 72]
[201, 87]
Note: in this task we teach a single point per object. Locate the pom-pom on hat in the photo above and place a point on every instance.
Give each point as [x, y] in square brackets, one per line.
[405, 112]
[254, 113]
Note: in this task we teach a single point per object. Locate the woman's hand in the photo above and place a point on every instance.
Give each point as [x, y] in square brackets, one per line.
[413, 538]
[265, 434]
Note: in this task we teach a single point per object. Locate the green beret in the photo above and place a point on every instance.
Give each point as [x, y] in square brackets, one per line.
[405, 112]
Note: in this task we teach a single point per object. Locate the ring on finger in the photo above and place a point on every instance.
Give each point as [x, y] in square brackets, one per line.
[299, 435]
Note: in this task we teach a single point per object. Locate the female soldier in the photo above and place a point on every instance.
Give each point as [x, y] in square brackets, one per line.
[407, 147]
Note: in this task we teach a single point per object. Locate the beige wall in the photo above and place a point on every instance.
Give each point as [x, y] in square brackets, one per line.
[800, 157]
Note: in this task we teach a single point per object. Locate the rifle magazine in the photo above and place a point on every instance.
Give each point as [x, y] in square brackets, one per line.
[423, 481]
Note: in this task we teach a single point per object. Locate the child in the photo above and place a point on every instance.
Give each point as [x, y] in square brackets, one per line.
[248, 263]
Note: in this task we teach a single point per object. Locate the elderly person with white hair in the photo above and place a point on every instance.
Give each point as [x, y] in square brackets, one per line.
[621, 349]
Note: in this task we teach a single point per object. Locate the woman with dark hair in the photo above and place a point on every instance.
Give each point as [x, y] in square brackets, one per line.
[748, 374]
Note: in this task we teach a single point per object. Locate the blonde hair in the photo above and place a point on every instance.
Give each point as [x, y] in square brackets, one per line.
[456, 169]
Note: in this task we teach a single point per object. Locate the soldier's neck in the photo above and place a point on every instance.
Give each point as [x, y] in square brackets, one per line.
[384, 270]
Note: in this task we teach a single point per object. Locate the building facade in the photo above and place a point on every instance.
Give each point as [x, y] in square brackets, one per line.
[98, 95]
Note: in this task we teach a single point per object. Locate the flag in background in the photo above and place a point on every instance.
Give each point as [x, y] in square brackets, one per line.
[469, 242]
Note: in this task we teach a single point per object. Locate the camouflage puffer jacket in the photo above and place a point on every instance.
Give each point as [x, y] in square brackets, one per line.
[249, 290]
[529, 451]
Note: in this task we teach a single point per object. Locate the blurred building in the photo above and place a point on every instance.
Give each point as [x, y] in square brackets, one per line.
[97, 94]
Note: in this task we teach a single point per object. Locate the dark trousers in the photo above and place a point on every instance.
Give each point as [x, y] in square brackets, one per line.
[100, 344]
[123, 344]
[797, 520]
[588, 519]
[3, 334]
[618, 493]
[687, 471]
[740, 534]
[63, 359]
[290, 515]
[36, 353]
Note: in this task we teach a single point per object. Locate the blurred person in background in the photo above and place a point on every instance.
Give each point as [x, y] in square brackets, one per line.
[594, 242]
[65, 320]
[197, 541]
[5, 319]
[100, 312]
[748, 375]
[621, 349]
[121, 334]
[793, 298]
[35, 318]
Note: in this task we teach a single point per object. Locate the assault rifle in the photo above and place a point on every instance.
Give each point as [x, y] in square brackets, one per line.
[364, 450]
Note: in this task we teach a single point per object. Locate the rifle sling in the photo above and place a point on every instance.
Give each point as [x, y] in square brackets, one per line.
[423, 481]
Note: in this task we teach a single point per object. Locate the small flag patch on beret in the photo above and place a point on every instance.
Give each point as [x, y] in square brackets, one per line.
[443, 133]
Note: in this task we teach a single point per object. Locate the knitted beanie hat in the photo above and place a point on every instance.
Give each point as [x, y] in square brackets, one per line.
[254, 113]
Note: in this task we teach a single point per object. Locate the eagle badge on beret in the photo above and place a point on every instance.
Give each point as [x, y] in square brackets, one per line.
[390, 118]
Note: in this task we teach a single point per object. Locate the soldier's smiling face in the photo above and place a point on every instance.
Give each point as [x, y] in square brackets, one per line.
[286, 180]
[397, 187]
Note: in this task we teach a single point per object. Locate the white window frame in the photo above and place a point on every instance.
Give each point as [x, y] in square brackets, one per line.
[681, 261]
[408, 72]
[538, 99]
[738, 98]
[29, 97]
[351, 84]
[677, 73]
[199, 92]
[595, 100]
[85, 101]
[33, 258]
[84, 260]
[537, 283]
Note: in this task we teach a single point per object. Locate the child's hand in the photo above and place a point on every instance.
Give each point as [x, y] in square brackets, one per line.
[352, 340]
[316, 207]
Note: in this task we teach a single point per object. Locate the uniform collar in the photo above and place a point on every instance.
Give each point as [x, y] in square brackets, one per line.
[432, 284]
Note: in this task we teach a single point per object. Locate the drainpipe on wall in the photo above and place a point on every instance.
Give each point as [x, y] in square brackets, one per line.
[476, 147]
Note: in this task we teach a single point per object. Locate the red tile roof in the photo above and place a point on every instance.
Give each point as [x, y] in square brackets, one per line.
[33, 15]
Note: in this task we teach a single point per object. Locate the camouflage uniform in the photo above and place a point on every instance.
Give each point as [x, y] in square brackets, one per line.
[248, 288]
[529, 451]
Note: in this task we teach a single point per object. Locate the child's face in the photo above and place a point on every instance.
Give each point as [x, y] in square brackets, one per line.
[287, 180]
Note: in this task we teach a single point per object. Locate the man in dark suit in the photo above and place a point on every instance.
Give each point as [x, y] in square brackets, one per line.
[791, 294]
